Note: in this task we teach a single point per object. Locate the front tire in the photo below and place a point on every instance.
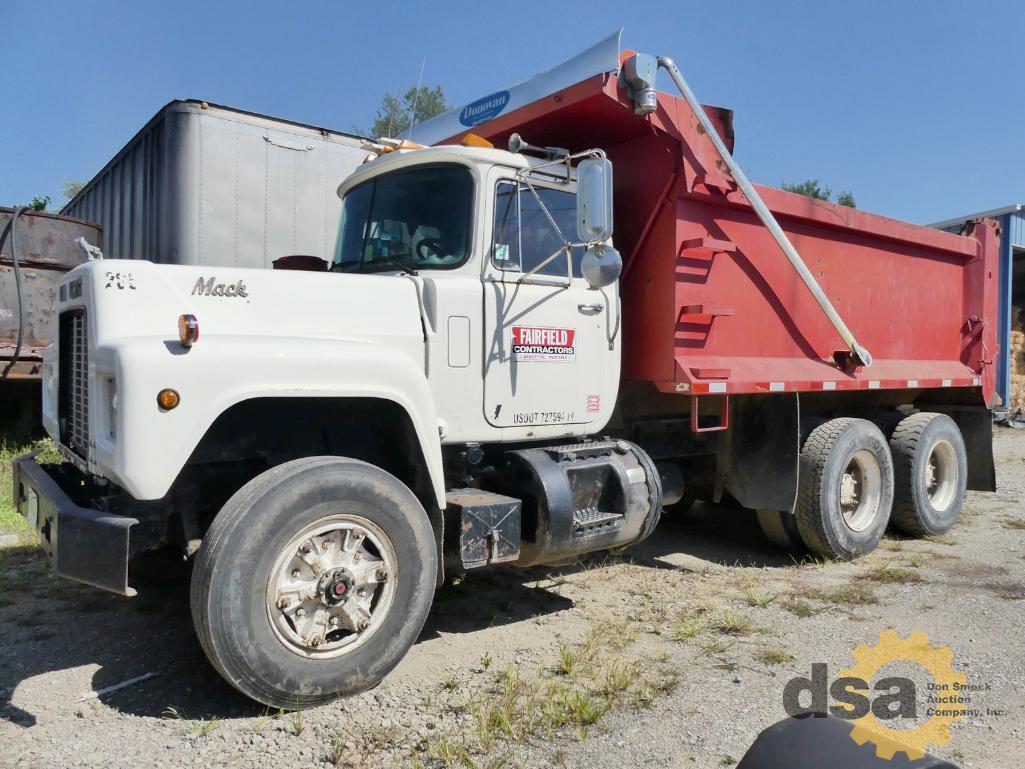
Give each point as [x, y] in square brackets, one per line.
[313, 581]
[931, 472]
[845, 488]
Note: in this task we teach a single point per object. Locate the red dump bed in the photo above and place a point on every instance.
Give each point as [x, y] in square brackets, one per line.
[711, 304]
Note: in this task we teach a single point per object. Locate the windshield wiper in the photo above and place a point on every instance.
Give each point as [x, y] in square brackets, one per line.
[405, 268]
[343, 266]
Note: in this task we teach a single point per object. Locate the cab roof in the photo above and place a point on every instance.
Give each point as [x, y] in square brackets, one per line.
[446, 152]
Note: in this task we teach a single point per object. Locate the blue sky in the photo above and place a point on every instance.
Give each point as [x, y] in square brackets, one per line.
[914, 106]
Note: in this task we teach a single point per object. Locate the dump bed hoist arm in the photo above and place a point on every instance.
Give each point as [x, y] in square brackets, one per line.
[859, 355]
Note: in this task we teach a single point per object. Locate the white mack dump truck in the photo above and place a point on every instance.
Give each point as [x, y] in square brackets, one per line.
[448, 394]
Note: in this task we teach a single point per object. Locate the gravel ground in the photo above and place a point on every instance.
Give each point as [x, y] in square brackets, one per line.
[673, 654]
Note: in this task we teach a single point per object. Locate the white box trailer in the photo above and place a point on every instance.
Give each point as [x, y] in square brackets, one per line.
[203, 184]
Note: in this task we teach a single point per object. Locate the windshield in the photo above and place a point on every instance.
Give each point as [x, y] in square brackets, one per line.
[418, 218]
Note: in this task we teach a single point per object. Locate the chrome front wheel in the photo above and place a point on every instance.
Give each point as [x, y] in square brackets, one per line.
[329, 589]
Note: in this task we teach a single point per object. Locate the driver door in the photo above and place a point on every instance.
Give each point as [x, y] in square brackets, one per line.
[552, 352]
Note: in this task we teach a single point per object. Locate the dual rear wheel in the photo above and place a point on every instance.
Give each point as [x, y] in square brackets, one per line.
[853, 483]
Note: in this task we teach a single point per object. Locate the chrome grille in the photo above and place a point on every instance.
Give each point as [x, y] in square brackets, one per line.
[73, 407]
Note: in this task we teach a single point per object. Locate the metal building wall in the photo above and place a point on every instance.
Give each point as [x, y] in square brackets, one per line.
[203, 184]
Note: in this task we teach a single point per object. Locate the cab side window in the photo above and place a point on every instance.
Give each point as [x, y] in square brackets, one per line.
[524, 236]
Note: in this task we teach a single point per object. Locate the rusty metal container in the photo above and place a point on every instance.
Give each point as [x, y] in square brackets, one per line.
[47, 249]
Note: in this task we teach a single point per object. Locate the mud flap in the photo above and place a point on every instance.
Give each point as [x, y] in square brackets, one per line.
[760, 453]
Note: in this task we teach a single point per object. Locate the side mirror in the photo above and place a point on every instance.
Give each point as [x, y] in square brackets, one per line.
[601, 266]
[594, 200]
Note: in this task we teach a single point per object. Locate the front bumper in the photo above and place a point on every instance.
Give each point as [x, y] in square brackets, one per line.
[83, 544]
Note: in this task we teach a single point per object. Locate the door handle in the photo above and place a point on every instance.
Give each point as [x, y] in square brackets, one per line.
[596, 307]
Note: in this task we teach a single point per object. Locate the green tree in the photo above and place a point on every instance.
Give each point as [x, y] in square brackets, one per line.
[71, 188]
[812, 188]
[39, 202]
[395, 114]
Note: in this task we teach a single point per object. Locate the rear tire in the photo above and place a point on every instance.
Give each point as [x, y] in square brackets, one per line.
[931, 473]
[845, 488]
[313, 581]
[683, 510]
[780, 528]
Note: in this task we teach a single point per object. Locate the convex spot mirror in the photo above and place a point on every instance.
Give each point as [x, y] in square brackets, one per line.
[601, 266]
[594, 200]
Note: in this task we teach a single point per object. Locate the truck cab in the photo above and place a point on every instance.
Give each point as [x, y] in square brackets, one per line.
[510, 322]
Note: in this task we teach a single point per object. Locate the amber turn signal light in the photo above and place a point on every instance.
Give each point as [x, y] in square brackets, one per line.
[188, 330]
[167, 399]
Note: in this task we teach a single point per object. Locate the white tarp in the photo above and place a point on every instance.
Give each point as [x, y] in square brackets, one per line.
[601, 57]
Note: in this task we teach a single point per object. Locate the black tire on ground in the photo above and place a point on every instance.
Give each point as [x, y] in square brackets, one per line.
[780, 528]
[845, 488]
[231, 595]
[930, 468]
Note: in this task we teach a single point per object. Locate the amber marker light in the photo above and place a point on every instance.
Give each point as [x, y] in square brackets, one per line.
[167, 399]
[188, 330]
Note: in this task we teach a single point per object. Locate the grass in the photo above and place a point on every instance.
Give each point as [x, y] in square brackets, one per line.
[264, 720]
[568, 661]
[449, 683]
[716, 646]
[686, 628]
[730, 622]
[448, 751]
[758, 599]
[849, 595]
[801, 609]
[616, 678]
[689, 623]
[336, 754]
[889, 575]
[10, 449]
[774, 656]
[585, 682]
[1014, 523]
[295, 719]
[200, 727]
